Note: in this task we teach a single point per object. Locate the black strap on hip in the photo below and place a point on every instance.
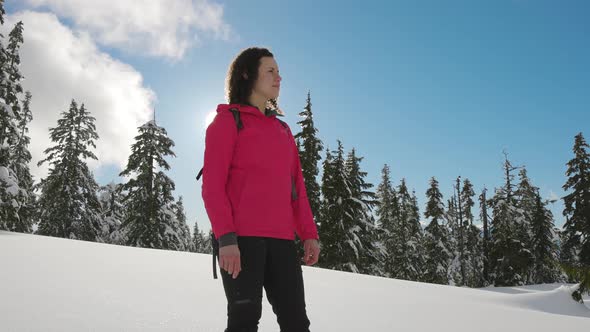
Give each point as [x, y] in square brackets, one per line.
[215, 245]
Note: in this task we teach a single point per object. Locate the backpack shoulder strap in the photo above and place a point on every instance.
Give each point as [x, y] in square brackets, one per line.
[236, 114]
[200, 174]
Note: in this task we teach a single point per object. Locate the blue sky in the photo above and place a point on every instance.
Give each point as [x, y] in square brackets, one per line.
[431, 88]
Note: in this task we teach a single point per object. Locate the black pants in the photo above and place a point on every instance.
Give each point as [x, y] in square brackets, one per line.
[274, 265]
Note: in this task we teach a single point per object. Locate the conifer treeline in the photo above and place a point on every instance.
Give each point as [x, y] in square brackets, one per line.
[469, 239]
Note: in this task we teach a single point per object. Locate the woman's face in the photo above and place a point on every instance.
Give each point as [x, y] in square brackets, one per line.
[268, 83]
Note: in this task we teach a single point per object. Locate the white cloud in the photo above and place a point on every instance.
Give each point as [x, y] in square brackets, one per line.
[156, 27]
[59, 66]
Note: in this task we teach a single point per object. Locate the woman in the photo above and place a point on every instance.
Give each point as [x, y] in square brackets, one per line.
[255, 197]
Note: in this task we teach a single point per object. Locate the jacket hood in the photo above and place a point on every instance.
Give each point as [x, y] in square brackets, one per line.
[246, 109]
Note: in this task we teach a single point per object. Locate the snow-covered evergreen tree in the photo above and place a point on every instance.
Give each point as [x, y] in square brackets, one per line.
[10, 85]
[112, 214]
[484, 218]
[341, 244]
[568, 250]
[151, 216]
[545, 269]
[180, 227]
[201, 241]
[12, 196]
[473, 242]
[13, 87]
[8, 127]
[510, 257]
[198, 239]
[475, 275]
[207, 244]
[557, 240]
[10, 91]
[407, 253]
[310, 147]
[327, 180]
[417, 231]
[526, 196]
[362, 201]
[20, 164]
[577, 202]
[68, 205]
[454, 221]
[387, 212]
[576, 251]
[436, 238]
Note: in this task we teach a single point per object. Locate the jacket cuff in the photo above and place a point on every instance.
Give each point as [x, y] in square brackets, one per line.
[228, 239]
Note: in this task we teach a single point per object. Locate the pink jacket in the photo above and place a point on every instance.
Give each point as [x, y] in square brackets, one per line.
[252, 179]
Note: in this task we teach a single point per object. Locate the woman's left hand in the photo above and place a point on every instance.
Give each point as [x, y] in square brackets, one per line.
[311, 247]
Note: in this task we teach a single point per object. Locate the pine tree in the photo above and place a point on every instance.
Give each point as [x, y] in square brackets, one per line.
[179, 227]
[473, 245]
[452, 215]
[310, 147]
[577, 202]
[436, 238]
[207, 245]
[417, 235]
[112, 214]
[201, 241]
[327, 180]
[557, 244]
[69, 206]
[325, 227]
[15, 40]
[362, 201]
[198, 239]
[461, 231]
[568, 250]
[10, 85]
[12, 197]
[407, 237]
[545, 268]
[416, 226]
[483, 215]
[460, 216]
[387, 212]
[20, 164]
[467, 202]
[576, 247]
[526, 196]
[510, 257]
[151, 219]
[341, 245]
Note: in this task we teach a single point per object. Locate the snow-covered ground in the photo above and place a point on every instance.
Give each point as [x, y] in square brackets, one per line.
[50, 284]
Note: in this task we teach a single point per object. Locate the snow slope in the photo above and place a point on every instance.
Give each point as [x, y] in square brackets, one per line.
[50, 284]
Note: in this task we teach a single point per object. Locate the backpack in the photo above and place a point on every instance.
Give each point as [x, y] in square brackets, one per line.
[214, 242]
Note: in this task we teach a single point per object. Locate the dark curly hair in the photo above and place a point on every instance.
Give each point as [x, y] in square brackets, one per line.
[242, 74]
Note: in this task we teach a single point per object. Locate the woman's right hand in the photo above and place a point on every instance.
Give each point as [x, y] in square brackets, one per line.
[229, 259]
